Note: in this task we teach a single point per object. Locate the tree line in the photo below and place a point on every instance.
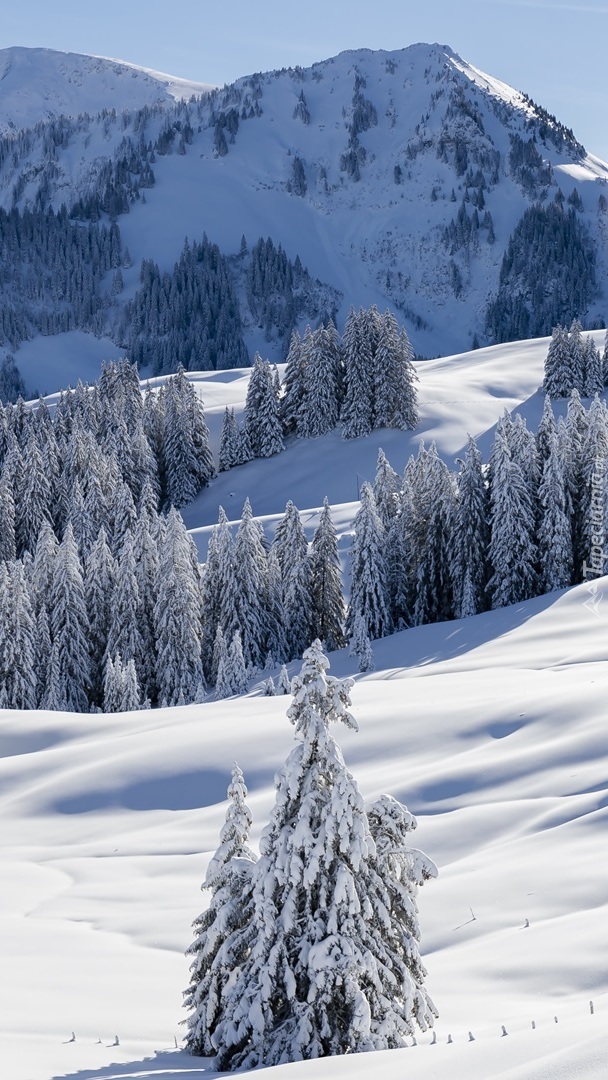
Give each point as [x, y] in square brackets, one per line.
[574, 363]
[428, 546]
[99, 587]
[104, 604]
[362, 381]
[93, 573]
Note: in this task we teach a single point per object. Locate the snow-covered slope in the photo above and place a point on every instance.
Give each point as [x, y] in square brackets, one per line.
[41, 84]
[491, 729]
[399, 178]
[108, 820]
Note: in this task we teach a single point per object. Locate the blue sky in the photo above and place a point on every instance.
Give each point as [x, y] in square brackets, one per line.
[553, 51]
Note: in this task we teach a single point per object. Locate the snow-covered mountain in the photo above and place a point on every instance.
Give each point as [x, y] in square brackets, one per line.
[42, 84]
[408, 179]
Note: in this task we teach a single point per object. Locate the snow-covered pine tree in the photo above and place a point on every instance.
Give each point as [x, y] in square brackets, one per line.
[11, 482]
[544, 431]
[99, 583]
[244, 598]
[70, 665]
[554, 531]
[122, 516]
[577, 423]
[220, 940]
[400, 556]
[395, 398]
[275, 612]
[112, 684]
[387, 487]
[357, 407]
[42, 655]
[146, 539]
[120, 686]
[131, 694]
[143, 470]
[188, 464]
[42, 569]
[126, 611]
[361, 646]
[320, 408]
[369, 591]
[319, 977]
[433, 508]
[177, 617]
[576, 350]
[403, 869]
[470, 535]
[291, 548]
[284, 681]
[33, 502]
[238, 671]
[512, 551]
[293, 386]
[523, 448]
[593, 379]
[559, 377]
[328, 607]
[216, 581]
[17, 640]
[8, 548]
[269, 429]
[262, 424]
[222, 676]
[594, 456]
[231, 443]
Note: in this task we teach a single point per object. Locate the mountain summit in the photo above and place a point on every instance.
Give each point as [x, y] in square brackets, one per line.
[408, 179]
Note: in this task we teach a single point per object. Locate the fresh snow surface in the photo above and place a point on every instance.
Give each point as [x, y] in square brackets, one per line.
[41, 84]
[48, 364]
[491, 729]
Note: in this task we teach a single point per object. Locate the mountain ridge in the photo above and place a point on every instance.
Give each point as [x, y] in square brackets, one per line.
[42, 84]
[401, 178]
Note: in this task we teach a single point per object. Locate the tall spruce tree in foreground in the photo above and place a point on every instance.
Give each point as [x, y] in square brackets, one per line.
[219, 941]
[330, 964]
